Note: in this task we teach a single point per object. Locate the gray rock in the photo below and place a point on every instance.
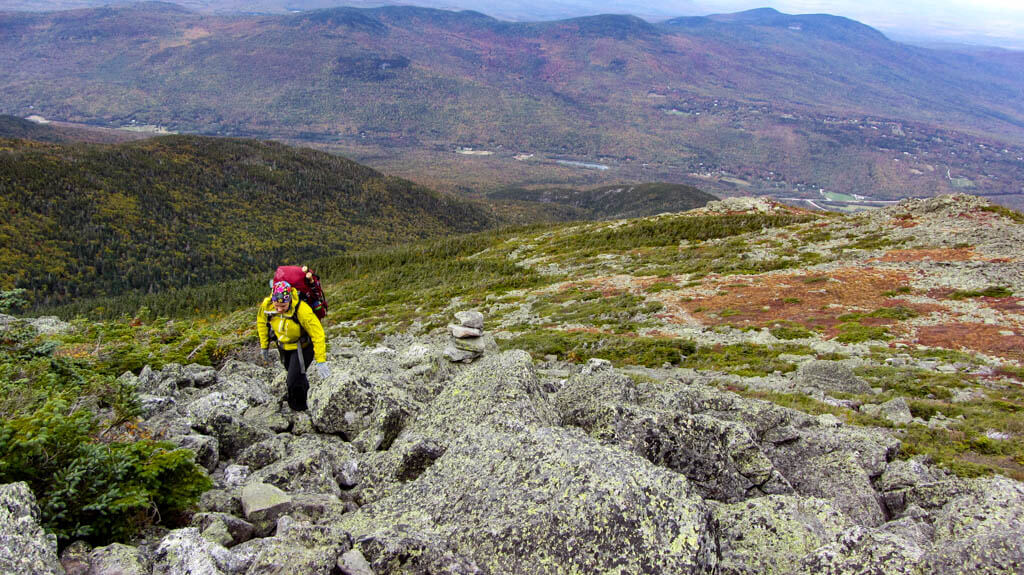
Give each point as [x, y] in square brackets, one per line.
[355, 401]
[236, 475]
[348, 473]
[50, 325]
[318, 507]
[862, 551]
[220, 415]
[721, 458]
[205, 447]
[454, 354]
[461, 331]
[154, 404]
[75, 558]
[509, 502]
[830, 376]
[470, 318]
[353, 563]
[511, 492]
[309, 471]
[186, 552]
[261, 454]
[903, 474]
[769, 535]
[470, 344]
[980, 531]
[595, 365]
[302, 424]
[301, 548]
[234, 529]
[221, 500]
[896, 410]
[837, 477]
[268, 415]
[262, 504]
[118, 559]
[416, 354]
[416, 457]
[24, 546]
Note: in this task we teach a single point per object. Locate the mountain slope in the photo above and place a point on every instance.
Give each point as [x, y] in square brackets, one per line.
[618, 201]
[176, 211]
[788, 104]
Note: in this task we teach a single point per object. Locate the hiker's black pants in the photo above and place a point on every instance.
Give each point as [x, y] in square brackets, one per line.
[298, 385]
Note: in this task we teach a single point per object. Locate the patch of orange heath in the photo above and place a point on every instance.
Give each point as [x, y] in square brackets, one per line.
[934, 255]
[800, 298]
[984, 338]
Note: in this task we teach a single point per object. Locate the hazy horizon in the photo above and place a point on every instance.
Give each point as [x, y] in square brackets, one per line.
[998, 23]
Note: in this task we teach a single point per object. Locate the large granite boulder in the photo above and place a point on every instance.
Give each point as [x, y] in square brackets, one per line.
[769, 535]
[510, 492]
[24, 546]
[263, 504]
[721, 458]
[310, 464]
[830, 376]
[546, 500]
[862, 551]
[981, 531]
[361, 405]
[838, 478]
[221, 415]
[118, 559]
[299, 548]
[186, 552]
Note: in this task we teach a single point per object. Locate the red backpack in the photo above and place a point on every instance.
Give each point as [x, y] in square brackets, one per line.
[308, 285]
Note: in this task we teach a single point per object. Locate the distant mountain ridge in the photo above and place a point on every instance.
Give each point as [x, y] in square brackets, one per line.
[786, 104]
[176, 211]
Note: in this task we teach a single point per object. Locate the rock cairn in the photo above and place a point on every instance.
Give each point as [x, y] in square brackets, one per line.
[466, 343]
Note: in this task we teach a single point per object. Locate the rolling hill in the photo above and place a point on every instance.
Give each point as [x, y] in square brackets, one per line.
[178, 211]
[759, 102]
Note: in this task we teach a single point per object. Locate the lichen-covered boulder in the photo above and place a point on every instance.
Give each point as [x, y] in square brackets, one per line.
[186, 552]
[839, 478]
[206, 448]
[262, 504]
[862, 551]
[981, 531]
[830, 376]
[311, 463]
[721, 458]
[895, 410]
[220, 415]
[502, 489]
[173, 377]
[769, 535]
[118, 559]
[300, 548]
[24, 546]
[223, 528]
[545, 500]
[361, 405]
[500, 391]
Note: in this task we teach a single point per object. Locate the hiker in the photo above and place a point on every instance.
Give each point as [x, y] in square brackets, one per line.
[291, 323]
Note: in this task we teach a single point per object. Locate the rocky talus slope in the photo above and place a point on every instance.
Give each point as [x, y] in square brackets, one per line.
[820, 394]
[408, 463]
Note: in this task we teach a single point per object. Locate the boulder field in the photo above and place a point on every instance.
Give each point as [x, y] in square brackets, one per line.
[421, 465]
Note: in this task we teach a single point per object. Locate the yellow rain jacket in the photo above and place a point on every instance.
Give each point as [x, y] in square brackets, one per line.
[288, 326]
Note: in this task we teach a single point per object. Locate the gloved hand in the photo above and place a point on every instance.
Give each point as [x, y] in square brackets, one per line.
[323, 370]
[266, 355]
